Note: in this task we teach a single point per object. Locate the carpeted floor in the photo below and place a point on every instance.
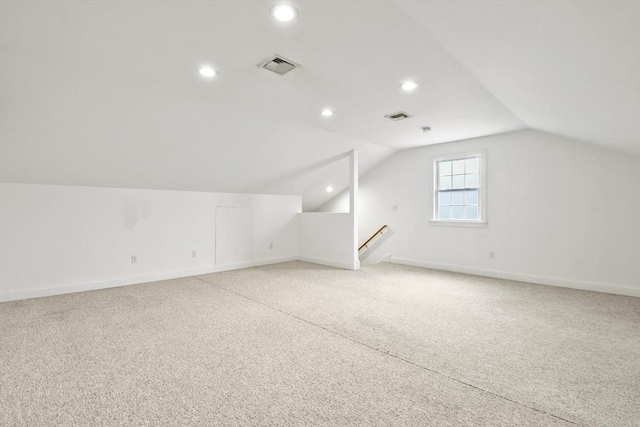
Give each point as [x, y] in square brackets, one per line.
[301, 344]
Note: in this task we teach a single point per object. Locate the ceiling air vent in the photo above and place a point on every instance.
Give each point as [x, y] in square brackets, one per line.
[398, 116]
[279, 65]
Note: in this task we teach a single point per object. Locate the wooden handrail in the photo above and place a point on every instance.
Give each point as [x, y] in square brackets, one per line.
[372, 236]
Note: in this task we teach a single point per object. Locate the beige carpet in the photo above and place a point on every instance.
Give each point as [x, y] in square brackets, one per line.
[300, 344]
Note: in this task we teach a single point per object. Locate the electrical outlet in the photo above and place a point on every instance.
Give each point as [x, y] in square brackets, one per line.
[134, 259]
[270, 245]
[492, 255]
[394, 207]
[194, 254]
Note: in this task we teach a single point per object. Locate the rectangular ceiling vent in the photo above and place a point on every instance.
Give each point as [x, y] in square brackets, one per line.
[398, 116]
[279, 65]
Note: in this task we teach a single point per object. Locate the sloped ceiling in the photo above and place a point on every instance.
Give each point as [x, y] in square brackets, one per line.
[108, 94]
[566, 67]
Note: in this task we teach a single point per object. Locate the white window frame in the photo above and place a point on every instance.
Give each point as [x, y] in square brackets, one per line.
[482, 193]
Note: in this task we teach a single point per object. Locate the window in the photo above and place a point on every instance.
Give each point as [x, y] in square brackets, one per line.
[458, 189]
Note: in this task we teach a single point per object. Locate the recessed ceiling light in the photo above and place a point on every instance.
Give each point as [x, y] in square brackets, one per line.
[327, 112]
[408, 86]
[207, 72]
[329, 189]
[284, 12]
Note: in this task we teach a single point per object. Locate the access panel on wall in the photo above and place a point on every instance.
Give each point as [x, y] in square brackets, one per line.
[234, 235]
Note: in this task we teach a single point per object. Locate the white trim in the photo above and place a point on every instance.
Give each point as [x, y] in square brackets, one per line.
[254, 263]
[67, 288]
[482, 196]
[233, 266]
[324, 213]
[274, 260]
[524, 277]
[459, 155]
[383, 258]
[452, 223]
[327, 262]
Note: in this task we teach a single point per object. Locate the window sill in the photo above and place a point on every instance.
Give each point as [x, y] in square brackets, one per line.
[471, 224]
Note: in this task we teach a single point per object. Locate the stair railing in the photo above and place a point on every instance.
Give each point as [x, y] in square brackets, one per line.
[373, 236]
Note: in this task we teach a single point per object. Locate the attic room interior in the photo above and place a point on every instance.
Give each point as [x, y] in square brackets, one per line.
[332, 213]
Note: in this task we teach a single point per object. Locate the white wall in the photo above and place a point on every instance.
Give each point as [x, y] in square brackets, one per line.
[58, 239]
[327, 238]
[332, 238]
[559, 212]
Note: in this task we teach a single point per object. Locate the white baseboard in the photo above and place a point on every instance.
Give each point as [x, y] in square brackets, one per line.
[327, 262]
[67, 288]
[254, 263]
[383, 258]
[36, 292]
[523, 277]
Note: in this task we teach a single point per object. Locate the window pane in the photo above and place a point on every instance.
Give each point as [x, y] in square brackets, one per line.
[444, 168]
[472, 165]
[471, 197]
[457, 197]
[444, 212]
[458, 189]
[458, 181]
[444, 198]
[472, 180]
[457, 212]
[445, 182]
[471, 212]
[458, 166]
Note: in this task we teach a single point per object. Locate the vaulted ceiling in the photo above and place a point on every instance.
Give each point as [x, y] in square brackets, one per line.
[108, 93]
